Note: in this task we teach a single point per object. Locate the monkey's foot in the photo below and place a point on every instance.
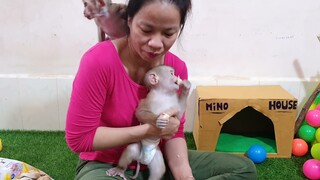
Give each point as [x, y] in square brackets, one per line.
[116, 172]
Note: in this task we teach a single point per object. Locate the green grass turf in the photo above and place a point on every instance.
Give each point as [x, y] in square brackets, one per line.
[44, 150]
[48, 152]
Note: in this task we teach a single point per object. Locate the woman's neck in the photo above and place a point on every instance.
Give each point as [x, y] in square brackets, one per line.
[135, 66]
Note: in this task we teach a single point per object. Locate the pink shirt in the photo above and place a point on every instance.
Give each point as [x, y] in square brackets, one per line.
[103, 94]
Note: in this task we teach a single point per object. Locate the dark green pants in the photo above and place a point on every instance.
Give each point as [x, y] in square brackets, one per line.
[205, 165]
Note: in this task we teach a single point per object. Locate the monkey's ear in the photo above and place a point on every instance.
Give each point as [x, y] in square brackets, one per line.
[153, 79]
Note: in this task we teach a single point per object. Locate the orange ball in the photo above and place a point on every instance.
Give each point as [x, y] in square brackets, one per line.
[299, 147]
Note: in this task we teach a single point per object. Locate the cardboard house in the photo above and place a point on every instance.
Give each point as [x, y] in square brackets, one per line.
[216, 105]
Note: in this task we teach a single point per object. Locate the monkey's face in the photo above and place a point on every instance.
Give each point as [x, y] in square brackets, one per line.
[168, 79]
[91, 8]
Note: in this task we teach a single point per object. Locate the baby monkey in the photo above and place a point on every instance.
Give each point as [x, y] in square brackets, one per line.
[163, 97]
[110, 17]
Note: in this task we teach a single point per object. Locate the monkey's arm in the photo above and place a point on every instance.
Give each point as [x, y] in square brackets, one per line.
[176, 154]
[183, 96]
[143, 113]
[185, 86]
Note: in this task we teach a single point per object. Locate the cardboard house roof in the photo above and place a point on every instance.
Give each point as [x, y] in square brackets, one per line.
[243, 92]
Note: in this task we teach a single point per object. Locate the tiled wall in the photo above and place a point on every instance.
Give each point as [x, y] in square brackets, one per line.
[40, 103]
[34, 103]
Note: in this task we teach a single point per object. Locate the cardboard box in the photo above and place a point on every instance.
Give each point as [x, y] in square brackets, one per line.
[218, 104]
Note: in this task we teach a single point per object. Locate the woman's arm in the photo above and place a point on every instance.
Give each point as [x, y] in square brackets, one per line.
[176, 153]
[106, 137]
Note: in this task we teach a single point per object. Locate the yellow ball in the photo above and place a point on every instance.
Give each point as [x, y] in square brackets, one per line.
[0, 145]
[313, 106]
[315, 151]
[318, 134]
[314, 142]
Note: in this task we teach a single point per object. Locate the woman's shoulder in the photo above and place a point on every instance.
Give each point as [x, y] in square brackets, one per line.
[177, 63]
[174, 61]
[102, 53]
[102, 48]
[101, 58]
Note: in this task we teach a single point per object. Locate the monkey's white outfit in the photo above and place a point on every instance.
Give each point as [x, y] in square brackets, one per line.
[148, 150]
[149, 146]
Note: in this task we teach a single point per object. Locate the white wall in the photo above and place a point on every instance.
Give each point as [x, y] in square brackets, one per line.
[225, 42]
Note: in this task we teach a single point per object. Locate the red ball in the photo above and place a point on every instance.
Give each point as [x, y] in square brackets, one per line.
[299, 147]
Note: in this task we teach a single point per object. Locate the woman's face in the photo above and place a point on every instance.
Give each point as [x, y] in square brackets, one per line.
[154, 29]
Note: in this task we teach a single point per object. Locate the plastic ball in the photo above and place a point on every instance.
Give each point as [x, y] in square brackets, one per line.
[304, 122]
[307, 133]
[299, 147]
[313, 118]
[257, 154]
[314, 142]
[312, 107]
[311, 169]
[315, 151]
[318, 134]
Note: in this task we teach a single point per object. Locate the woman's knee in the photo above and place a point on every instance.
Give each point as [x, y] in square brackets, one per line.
[222, 165]
[246, 168]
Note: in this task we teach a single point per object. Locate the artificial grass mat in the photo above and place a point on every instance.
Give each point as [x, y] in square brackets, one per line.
[48, 151]
[44, 150]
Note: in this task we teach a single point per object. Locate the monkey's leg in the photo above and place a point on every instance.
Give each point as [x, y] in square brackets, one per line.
[131, 153]
[157, 167]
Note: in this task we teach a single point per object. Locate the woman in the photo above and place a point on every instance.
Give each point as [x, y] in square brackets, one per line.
[108, 87]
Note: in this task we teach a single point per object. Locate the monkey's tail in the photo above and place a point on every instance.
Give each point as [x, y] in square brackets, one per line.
[137, 171]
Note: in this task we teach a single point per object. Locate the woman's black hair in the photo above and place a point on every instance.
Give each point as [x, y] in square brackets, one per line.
[184, 7]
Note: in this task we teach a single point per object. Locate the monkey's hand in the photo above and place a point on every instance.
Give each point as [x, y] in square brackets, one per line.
[117, 10]
[162, 120]
[171, 128]
[114, 23]
[185, 86]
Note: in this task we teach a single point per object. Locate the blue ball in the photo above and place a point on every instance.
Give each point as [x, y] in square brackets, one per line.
[257, 154]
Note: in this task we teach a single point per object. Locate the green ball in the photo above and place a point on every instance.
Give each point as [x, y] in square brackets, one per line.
[307, 133]
[315, 151]
[317, 99]
[304, 122]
